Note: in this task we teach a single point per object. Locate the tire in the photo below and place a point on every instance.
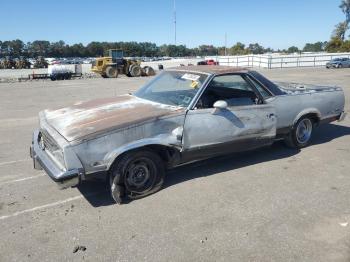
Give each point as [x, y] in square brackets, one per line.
[301, 134]
[340, 66]
[111, 72]
[135, 70]
[137, 174]
[149, 71]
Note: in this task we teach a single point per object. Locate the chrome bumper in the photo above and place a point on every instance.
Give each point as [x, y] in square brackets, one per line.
[41, 160]
[342, 116]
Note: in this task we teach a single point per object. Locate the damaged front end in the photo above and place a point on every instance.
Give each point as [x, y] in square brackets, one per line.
[52, 153]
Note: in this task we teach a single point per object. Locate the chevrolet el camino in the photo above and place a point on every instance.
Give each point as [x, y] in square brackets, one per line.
[182, 115]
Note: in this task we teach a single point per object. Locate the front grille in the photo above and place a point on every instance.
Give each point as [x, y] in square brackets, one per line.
[49, 142]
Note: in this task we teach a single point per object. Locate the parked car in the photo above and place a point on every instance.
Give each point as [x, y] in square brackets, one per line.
[208, 62]
[338, 63]
[182, 115]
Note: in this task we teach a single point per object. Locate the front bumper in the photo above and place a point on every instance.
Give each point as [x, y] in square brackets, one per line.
[331, 65]
[41, 160]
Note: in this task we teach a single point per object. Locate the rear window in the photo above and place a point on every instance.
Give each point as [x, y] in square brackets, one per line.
[272, 87]
[265, 94]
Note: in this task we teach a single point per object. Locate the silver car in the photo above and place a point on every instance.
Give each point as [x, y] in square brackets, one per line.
[182, 115]
[338, 63]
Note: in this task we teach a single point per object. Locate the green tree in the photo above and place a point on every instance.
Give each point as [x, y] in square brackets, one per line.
[16, 47]
[238, 49]
[40, 48]
[293, 49]
[340, 30]
[314, 47]
[256, 49]
[345, 7]
[334, 45]
[95, 49]
[345, 47]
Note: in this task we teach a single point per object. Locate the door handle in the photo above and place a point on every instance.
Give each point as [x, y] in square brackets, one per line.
[270, 115]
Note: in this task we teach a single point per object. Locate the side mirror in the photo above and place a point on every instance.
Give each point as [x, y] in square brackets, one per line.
[219, 105]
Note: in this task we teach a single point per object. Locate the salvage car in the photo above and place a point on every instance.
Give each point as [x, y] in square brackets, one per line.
[182, 115]
[338, 63]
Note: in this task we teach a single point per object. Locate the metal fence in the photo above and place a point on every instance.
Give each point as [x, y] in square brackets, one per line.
[279, 61]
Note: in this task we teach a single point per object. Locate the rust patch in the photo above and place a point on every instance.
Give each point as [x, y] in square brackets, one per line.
[87, 118]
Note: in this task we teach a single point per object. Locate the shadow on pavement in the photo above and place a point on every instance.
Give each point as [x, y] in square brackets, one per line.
[322, 134]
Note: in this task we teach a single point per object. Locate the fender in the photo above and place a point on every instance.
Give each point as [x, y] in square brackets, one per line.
[305, 112]
[169, 140]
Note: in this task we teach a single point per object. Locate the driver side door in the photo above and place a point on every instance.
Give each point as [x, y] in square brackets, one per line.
[241, 126]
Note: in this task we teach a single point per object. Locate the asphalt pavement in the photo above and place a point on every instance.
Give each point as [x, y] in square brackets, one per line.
[272, 204]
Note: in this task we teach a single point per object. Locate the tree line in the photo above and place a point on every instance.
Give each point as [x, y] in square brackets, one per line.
[338, 41]
[17, 48]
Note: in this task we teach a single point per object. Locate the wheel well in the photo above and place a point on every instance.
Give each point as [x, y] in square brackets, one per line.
[313, 116]
[168, 154]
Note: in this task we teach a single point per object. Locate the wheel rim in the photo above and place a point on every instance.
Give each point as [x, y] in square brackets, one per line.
[303, 132]
[140, 175]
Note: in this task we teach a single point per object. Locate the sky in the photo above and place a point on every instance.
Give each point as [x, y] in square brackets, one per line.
[277, 24]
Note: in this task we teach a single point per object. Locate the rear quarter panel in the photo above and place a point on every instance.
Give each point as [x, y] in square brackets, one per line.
[290, 107]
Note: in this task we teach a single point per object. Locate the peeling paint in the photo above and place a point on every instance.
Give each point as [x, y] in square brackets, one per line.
[86, 118]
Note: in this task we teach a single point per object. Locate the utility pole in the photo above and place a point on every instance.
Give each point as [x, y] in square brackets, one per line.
[175, 20]
[225, 44]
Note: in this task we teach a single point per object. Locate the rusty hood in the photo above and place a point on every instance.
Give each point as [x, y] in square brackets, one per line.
[84, 119]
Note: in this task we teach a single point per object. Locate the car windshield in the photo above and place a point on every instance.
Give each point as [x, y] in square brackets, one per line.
[176, 88]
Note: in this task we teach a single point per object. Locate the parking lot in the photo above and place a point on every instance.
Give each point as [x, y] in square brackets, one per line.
[274, 204]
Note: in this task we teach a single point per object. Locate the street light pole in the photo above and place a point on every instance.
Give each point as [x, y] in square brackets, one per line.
[225, 44]
[175, 19]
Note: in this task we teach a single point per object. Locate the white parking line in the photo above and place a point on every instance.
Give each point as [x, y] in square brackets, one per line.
[21, 179]
[15, 161]
[45, 206]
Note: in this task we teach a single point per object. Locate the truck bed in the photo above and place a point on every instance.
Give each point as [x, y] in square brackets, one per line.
[298, 88]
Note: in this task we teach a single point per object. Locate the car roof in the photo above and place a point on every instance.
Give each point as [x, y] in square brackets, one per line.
[211, 69]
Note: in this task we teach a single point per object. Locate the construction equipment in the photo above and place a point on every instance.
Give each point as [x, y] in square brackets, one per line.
[40, 63]
[114, 64]
[22, 63]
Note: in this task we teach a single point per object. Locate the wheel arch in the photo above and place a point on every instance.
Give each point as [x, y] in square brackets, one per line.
[168, 153]
[313, 113]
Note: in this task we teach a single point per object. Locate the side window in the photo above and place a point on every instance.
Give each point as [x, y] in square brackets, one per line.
[265, 94]
[231, 81]
[233, 89]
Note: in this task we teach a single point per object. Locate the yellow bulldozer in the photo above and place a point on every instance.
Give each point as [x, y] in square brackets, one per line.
[114, 64]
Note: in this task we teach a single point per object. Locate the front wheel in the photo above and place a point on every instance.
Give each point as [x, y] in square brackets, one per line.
[111, 72]
[136, 175]
[301, 133]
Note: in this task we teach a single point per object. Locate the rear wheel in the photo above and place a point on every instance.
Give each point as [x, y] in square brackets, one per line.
[136, 175]
[135, 70]
[149, 71]
[111, 72]
[301, 133]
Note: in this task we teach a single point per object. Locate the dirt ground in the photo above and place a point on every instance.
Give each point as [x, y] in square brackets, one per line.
[274, 204]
